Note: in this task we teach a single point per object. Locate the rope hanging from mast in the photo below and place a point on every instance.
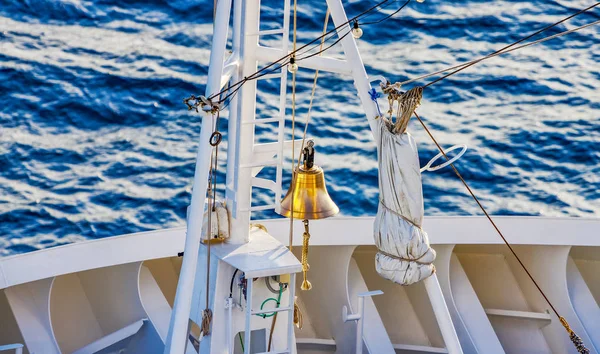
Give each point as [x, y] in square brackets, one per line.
[212, 233]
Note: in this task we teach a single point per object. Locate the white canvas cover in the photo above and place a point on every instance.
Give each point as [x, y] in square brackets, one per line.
[404, 255]
[219, 220]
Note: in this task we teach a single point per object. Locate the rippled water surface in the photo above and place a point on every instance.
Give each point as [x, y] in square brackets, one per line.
[95, 141]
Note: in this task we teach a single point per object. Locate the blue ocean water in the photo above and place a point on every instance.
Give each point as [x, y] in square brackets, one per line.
[95, 140]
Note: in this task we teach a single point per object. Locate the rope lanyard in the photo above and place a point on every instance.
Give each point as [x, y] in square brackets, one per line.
[291, 235]
[306, 123]
[215, 141]
[314, 88]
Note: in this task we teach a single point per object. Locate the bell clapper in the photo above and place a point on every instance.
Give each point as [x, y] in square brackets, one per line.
[306, 285]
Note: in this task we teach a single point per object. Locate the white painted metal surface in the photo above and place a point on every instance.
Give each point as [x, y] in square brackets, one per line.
[262, 255]
[84, 297]
[328, 273]
[337, 231]
[442, 314]
[358, 317]
[177, 338]
[112, 338]
[18, 348]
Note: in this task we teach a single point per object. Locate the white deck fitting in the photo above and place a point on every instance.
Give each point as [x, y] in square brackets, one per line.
[262, 256]
[329, 271]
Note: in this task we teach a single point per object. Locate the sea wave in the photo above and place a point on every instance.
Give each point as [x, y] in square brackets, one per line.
[95, 141]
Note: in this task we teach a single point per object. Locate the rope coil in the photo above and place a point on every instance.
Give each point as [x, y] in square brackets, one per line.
[206, 320]
[298, 319]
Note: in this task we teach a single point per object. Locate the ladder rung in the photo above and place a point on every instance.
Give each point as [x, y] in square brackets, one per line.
[269, 76]
[260, 208]
[285, 351]
[261, 163]
[273, 31]
[279, 309]
[262, 121]
[264, 183]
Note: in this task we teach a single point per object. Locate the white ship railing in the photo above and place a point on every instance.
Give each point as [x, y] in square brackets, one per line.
[17, 347]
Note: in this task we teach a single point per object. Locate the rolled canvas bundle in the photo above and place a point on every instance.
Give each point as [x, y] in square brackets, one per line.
[404, 255]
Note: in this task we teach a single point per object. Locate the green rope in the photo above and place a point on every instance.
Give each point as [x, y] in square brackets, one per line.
[241, 341]
[277, 302]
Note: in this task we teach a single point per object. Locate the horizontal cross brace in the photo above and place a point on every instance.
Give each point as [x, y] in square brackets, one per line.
[279, 309]
[316, 63]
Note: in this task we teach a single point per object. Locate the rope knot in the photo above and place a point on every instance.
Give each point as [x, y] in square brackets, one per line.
[374, 94]
[406, 103]
[206, 321]
[206, 104]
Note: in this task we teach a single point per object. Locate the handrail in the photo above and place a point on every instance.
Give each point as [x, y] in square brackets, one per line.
[18, 347]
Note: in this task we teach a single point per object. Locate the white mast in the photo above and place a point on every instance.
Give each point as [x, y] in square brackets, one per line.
[178, 329]
[245, 157]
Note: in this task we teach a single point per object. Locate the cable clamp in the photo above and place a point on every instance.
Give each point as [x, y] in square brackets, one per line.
[206, 104]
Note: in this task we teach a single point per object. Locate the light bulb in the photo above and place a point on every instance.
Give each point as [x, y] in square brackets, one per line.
[293, 67]
[420, 0]
[357, 32]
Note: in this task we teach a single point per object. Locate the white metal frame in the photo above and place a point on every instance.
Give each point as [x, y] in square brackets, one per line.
[18, 348]
[243, 162]
[358, 317]
[177, 338]
[289, 309]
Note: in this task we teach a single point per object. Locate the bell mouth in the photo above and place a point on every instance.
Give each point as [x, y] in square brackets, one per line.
[301, 215]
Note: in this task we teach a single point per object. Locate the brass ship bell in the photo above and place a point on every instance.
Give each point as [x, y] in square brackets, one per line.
[310, 200]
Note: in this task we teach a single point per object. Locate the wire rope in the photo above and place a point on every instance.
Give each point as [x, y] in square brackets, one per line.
[355, 18]
[500, 53]
[512, 45]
